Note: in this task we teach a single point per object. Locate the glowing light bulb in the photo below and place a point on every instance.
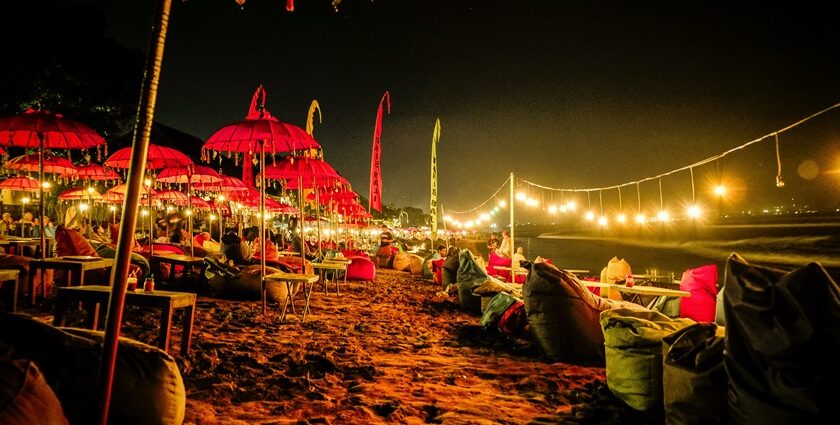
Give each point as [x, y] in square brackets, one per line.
[571, 205]
[469, 224]
[144, 213]
[720, 190]
[693, 211]
[212, 217]
[589, 216]
[447, 218]
[170, 208]
[552, 209]
[83, 207]
[563, 208]
[662, 215]
[621, 218]
[531, 202]
[485, 216]
[112, 208]
[46, 185]
[221, 198]
[521, 196]
[188, 212]
[148, 182]
[502, 203]
[640, 218]
[603, 221]
[90, 190]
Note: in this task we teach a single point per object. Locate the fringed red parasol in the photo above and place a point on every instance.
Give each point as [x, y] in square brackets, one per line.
[96, 172]
[52, 165]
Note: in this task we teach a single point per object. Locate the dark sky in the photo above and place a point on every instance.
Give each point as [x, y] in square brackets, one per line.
[564, 93]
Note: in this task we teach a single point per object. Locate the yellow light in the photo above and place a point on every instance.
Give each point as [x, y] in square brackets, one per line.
[478, 222]
[485, 216]
[212, 217]
[521, 196]
[83, 207]
[90, 190]
[188, 212]
[502, 203]
[221, 198]
[720, 190]
[693, 211]
[571, 205]
[621, 218]
[640, 218]
[531, 202]
[603, 220]
[148, 182]
[469, 224]
[563, 208]
[552, 209]
[112, 208]
[447, 218]
[589, 216]
[46, 185]
[170, 208]
[662, 215]
[144, 213]
[25, 200]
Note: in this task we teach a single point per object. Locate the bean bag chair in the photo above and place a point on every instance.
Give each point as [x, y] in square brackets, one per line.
[71, 242]
[291, 265]
[361, 268]
[246, 285]
[402, 262]
[449, 270]
[163, 248]
[437, 270]
[633, 341]
[385, 256]
[470, 276]
[427, 265]
[495, 309]
[702, 283]
[147, 387]
[514, 321]
[782, 344]
[616, 271]
[200, 238]
[415, 266]
[563, 315]
[25, 397]
[354, 253]
[693, 378]
[271, 253]
[497, 260]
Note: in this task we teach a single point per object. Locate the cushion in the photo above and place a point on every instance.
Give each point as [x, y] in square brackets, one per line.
[702, 283]
[361, 268]
[71, 242]
[564, 315]
[25, 397]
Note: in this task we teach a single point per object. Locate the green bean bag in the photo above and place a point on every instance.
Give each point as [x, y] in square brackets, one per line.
[470, 276]
[633, 341]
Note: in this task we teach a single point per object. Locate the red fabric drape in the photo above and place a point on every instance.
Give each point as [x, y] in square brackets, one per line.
[375, 195]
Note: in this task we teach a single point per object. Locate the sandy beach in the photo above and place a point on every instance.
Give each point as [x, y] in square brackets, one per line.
[388, 352]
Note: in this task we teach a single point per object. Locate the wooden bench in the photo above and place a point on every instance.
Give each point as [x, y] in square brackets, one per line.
[94, 296]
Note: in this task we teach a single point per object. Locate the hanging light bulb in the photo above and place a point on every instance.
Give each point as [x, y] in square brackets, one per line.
[603, 220]
[521, 196]
[571, 205]
[552, 209]
[693, 211]
[485, 216]
[662, 215]
[640, 218]
[563, 208]
[589, 216]
[502, 203]
[720, 190]
[621, 218]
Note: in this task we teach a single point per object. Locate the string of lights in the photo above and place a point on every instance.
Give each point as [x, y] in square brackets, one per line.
[693, 210]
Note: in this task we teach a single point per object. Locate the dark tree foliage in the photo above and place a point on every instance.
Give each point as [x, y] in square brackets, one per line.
[57, 56]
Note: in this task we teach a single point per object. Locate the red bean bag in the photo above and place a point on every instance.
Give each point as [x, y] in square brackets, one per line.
[354, 253]
[702, 283]
[498, 260]
[437, 270]
[71, 242]
[361, 268]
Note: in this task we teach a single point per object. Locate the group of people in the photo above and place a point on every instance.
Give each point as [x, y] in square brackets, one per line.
[26, 226]
[503, 248]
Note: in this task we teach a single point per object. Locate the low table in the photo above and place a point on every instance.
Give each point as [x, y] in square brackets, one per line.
[514, 273]
[188, 262]
[13, 276]
[289, 279]
[94, 296]
[70, 266]
[336, 265]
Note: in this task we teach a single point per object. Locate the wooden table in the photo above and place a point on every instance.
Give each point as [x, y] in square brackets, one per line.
[188, 262]
[70, 266]
[577, 271]
[93, 297]
[289, 279]
[13, 276]
[289, 253]
[335, 266]
[514, 273]
[637, 290]
[16, 244]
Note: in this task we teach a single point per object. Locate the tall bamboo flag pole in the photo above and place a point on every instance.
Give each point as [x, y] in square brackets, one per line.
[433, 202]
[512, 198]
[128, 222]
[375, 194]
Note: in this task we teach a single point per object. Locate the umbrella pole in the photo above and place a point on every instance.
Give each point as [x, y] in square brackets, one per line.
[301, 227]
[318, 217]
[151, 222]
[189, 216]
[263, 239]
[140, 148]
[42, 242]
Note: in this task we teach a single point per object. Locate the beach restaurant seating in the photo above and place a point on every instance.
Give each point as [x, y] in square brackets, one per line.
[147, 389]
[469, 277]
[782, 344]
[564, 315]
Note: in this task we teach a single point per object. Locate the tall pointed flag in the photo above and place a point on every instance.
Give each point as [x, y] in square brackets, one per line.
[433, 204]
[310, 126]
[375, 195]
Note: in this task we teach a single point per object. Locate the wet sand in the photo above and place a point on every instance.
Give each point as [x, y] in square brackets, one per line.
[386, 352]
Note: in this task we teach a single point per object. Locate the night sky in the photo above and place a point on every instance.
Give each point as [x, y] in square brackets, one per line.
[563, 93]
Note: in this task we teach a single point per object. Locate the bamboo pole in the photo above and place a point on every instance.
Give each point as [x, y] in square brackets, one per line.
[512, 222]
[263, 239]
[128, 223]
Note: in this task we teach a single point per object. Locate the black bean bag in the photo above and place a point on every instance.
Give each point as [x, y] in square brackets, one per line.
[449, 271]
[782, 344]
[564, 315]
[25, 397]
[469, 276]
[147, 389]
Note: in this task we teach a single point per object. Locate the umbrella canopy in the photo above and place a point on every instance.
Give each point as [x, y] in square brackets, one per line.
[172, 196]
[260, 125]
[52, 164]
[197, 203]
[120, 189]
[22, 183]
[226, 185]
[113, 197]
[193, 174]
[312, 172]
[96, 172]
[80, 194]
[45, 130]
[157, 158]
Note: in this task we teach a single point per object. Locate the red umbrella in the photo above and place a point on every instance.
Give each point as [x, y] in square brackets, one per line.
[303, 172]
[172, 196]
[260, 132]
[228, 184]
[22, 183]
[190, 175]
[80, 194]
[52, 164]
[157, 157]
[96, 172]
[120, 190]
[44, 130]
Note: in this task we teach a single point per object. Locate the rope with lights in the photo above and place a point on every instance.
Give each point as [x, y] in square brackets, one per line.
[493, 196]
